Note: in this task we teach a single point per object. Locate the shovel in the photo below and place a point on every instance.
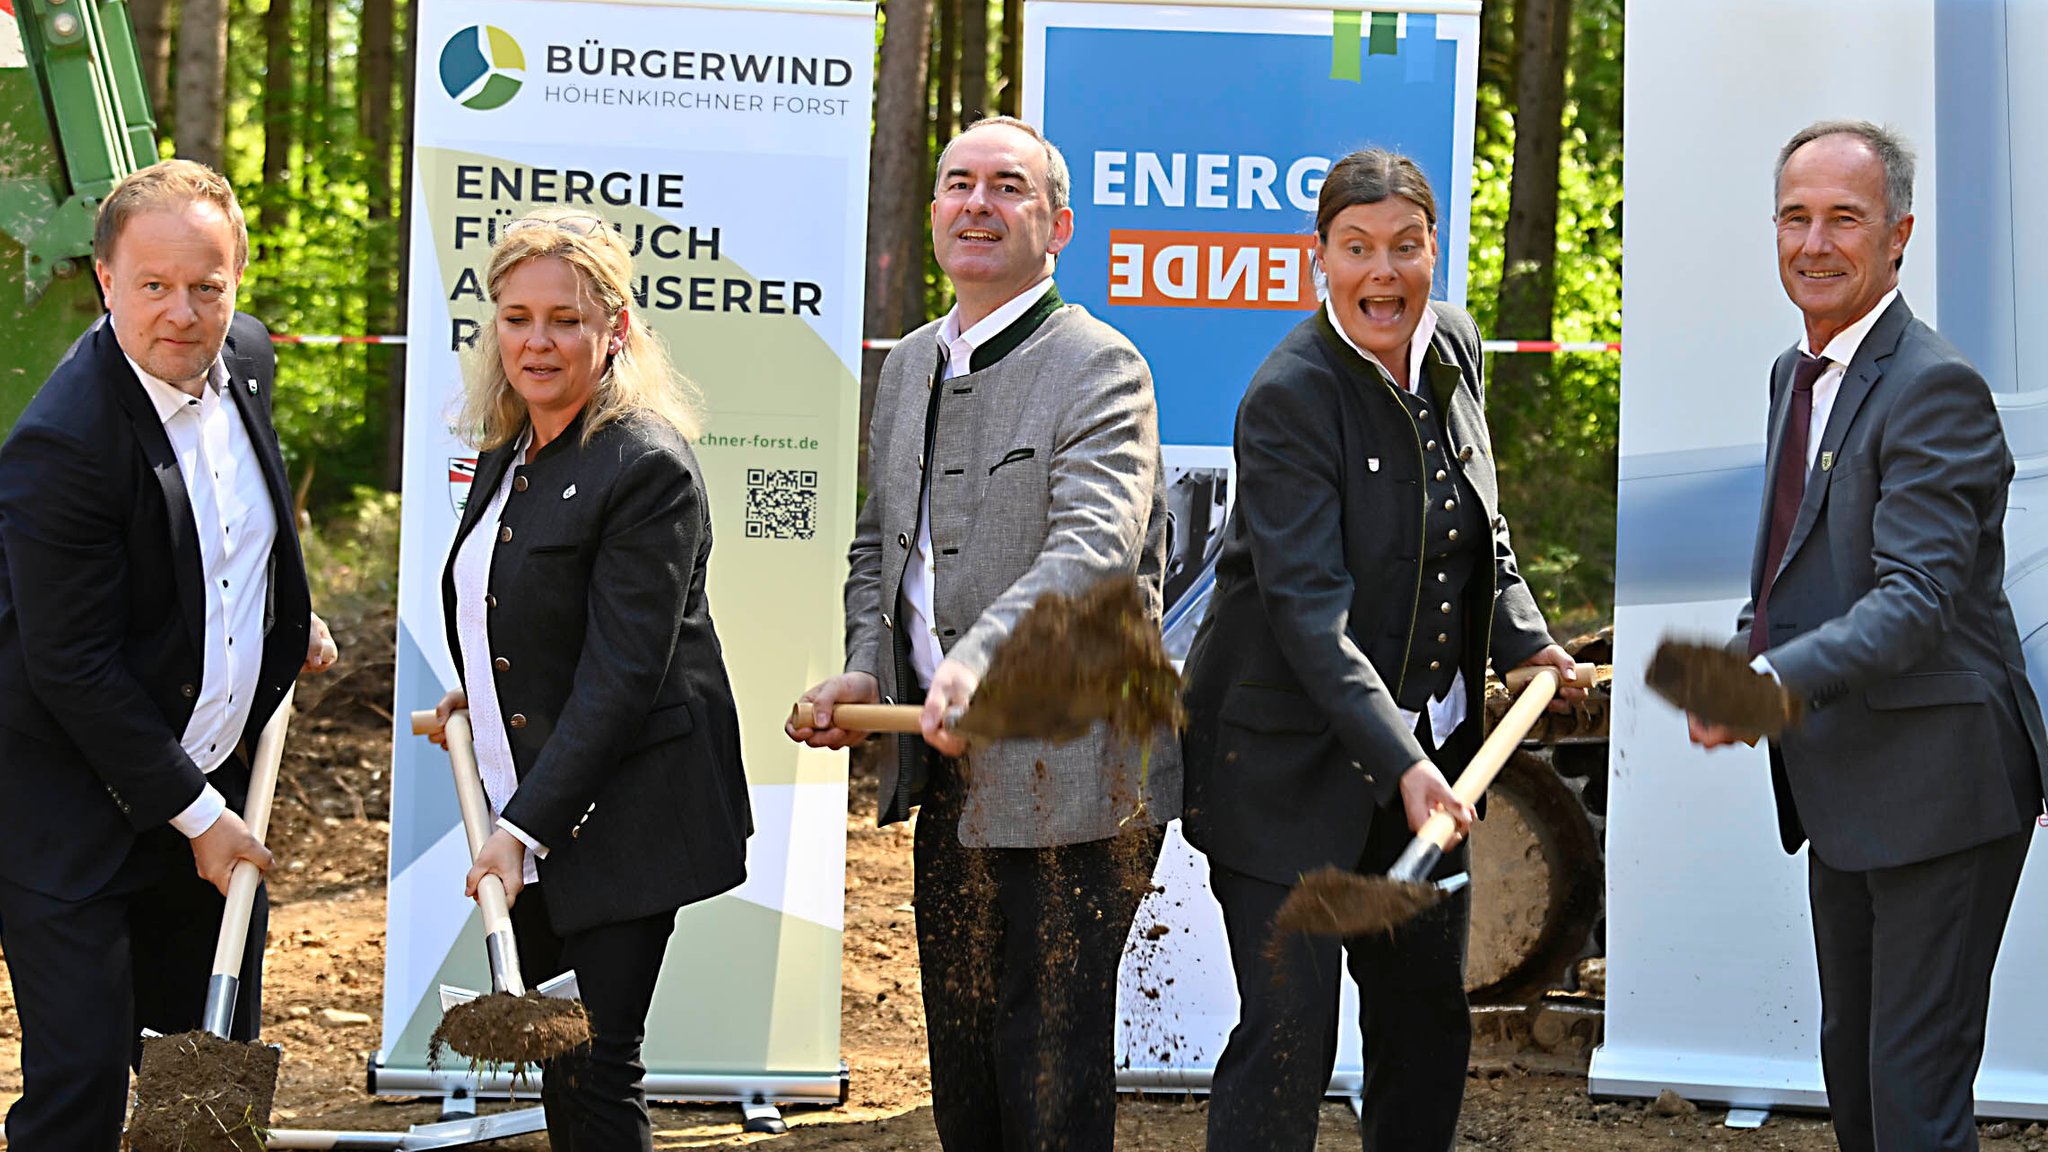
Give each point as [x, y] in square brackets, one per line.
[510, 1026]
[1333, 902]
[202, 1090]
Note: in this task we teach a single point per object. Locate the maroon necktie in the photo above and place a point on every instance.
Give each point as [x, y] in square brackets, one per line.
[1789, 490]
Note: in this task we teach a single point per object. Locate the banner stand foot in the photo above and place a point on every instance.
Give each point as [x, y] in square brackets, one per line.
[458, 1104]
[762, 1116]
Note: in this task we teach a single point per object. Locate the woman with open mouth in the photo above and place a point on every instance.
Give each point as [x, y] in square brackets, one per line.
[1364, 583]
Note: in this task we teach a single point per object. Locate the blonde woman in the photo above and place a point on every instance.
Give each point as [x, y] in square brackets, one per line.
[575, 611]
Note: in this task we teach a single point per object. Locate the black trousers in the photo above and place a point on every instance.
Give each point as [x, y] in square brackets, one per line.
[1019, 949]
[1905, 984]
[594, 1098]
[88, 975]
[1275, 1068]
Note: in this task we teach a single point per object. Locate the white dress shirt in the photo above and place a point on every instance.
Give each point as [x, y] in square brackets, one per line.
[958, 349]
[1839, 352]
[1446, 712]
[235, 525]
[486, 717]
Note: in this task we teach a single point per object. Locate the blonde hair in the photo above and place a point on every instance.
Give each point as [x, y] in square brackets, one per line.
[167, 184]
[637, 378]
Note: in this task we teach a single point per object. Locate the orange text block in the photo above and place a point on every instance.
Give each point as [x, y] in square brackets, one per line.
[1212, 269]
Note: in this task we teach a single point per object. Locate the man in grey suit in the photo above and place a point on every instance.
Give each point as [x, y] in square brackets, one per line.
[1014, 452]
[1877, 597]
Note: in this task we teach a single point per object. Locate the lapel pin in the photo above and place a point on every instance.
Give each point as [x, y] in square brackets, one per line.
[1827, 461]
[252, 387]
[1372, 463]
[568, 492]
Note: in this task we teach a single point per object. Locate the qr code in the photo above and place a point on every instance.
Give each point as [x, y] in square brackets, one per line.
[782, 504]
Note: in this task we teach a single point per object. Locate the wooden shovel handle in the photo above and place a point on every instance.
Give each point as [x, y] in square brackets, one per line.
[476, 810]
[1518, 678]
[1542, 684]
[862, 717]
[234, 921]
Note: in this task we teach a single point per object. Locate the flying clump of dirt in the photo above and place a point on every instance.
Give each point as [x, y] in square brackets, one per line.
[1075, 660]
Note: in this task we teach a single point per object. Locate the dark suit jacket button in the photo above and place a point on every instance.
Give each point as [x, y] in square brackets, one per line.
[504, 533]
[519, 483]
[490, 601]
[502, 664]
[188, 691]
[516, 720]
[576, 833]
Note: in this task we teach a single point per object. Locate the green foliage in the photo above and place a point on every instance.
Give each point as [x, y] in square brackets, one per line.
[312, 241]
[1557, 444]
[352, 555]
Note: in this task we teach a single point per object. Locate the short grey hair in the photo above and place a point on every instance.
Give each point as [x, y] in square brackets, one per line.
[1059, 184]
[1891, 148]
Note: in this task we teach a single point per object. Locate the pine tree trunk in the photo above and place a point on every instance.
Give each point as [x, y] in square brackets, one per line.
[278, 78]
[152, 23]
[1012, 101]
[897, 161]
[401, 219]
[1528, 287]
[973, 60]
[202, 80]
[946, 73]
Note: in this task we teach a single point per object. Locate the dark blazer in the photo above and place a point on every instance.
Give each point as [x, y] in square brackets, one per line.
[1293, 733]
[1889, 615]
[102, 612]
[624, 734]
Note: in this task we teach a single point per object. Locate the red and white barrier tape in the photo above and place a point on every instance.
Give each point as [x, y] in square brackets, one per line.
[883, 345]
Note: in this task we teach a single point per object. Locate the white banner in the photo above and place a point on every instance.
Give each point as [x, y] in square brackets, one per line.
[729, 144]
[1711, 983]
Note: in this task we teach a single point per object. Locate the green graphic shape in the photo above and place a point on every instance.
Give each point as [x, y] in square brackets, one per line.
[1344, 46]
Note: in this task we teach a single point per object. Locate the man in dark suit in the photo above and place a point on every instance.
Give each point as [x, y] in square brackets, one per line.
[153, 611]
[1877, 597]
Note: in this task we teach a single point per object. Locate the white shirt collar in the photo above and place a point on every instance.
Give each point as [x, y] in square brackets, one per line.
[994, 322]
[1842, 348]
[1418, 344]
[169, 400]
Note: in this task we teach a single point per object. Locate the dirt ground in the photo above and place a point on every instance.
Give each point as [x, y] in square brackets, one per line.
[324, 970]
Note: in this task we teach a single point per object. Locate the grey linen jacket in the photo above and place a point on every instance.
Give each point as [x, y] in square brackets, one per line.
[1045, 477]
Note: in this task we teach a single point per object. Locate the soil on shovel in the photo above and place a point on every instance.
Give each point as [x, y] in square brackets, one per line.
[1075, 660]
[500, 1030]
[1721, 688]
[200, 1093]
[1332, 902]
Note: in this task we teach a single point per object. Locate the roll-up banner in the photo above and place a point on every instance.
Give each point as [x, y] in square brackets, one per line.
[1712, 988]
[728, 142]
[1198, 136]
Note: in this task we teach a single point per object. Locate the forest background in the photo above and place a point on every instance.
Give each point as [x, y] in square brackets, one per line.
[306, 105]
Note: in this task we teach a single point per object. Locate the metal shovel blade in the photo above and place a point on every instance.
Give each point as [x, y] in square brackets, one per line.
[563, 987]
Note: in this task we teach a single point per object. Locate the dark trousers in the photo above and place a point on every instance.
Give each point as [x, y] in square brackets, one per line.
[1275, 1068]
[88, 975]
[1905, 983]
[593, 1096]
[1019, 949]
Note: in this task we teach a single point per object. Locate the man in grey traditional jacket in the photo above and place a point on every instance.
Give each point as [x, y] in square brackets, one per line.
[1014, 452]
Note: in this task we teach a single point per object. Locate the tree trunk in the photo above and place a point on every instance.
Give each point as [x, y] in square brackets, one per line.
[973, 60]
[1012, 101]
[1528, 286]
[202, 80]
[401, 219]
[278, 76]
[373, 127]
[946, 73]
[897, 159]
[319, 96]
[152, 23]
